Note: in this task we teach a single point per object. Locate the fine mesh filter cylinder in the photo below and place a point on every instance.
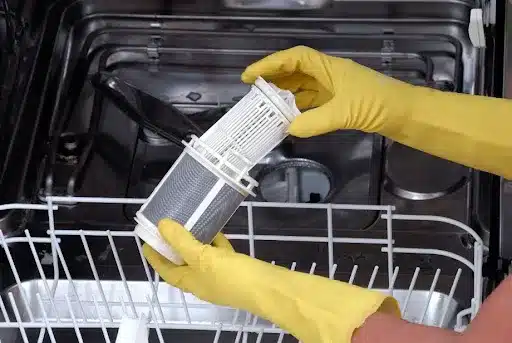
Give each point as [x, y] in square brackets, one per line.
[210, 179]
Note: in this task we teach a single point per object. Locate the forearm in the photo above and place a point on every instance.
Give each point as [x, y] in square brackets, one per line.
[493, 321]
[385, 328]
[492, 324]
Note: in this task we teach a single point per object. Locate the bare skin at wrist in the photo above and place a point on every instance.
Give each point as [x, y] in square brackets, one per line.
[386, 328]
[492, 324]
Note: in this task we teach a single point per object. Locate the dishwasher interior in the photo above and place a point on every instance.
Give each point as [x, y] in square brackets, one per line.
[105, 92]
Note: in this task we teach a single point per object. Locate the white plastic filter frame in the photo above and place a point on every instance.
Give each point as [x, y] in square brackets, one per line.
[248, 131]
[216, 163]
[229, 150]
[94, 307]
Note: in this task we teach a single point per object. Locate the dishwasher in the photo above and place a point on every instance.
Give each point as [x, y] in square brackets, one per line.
[97, 96]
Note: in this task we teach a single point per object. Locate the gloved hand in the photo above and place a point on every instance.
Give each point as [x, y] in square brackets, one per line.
[312, 308]
[470, 130]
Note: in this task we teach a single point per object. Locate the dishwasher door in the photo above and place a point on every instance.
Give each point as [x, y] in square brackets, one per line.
[505, 186]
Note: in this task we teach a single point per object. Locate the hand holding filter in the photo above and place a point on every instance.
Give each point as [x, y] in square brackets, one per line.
[210, 179]
[312, 308]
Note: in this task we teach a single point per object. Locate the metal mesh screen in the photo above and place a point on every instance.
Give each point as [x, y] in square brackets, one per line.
[217, 214]
[181, 193]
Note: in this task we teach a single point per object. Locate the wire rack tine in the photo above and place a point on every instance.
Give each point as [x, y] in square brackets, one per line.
[260, 336]
[430, 292]
[473, 308]
[410, 290]
[330, 241]
[333, 271]
[55, 262]
[353, 274]
[51, 223]
[157, 326]
[95, 274]
[150, 281]
[156, 277]
[245, 335]
[4, 311]
[389, 236]
[254, 321]
[121, 272]
[18, 318]
[217, 334]
[70, 280]
[55, 242]
[41, 274]
[393, 280]
[239, 334]
[42, 334]
[185, 306]
[450, 296]
[477, 279]
[372, 278]
[45, 318]
[461, 315]
[73, 319]
[250, 229]
[235, 317]
[123, 306]
[100, 318]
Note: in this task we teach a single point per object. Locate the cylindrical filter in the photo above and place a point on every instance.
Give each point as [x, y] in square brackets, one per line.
[210, 179]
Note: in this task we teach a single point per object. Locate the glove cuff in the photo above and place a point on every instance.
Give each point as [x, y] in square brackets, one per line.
[317, 309]
[364, 303]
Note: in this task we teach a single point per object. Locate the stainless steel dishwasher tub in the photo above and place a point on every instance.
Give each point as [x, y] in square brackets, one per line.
[191, 58]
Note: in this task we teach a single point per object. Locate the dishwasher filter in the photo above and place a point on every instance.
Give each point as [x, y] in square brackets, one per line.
[210, 179]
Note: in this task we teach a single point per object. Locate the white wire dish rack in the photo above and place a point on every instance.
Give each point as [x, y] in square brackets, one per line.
[49, 304]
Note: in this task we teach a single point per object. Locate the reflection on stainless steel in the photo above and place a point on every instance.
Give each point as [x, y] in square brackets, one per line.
[396, 190]
[153, 138]
[199, 311]
[276, 4]
[413, 175]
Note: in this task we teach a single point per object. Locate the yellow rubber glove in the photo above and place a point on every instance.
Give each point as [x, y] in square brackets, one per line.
[312, 308]
[471, 130]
